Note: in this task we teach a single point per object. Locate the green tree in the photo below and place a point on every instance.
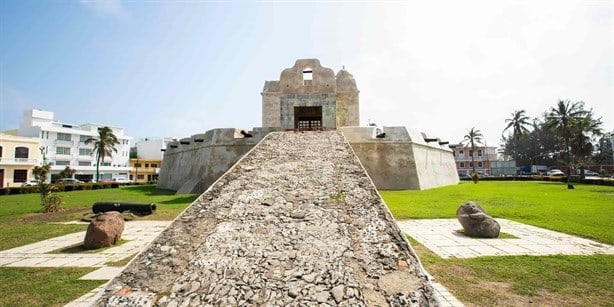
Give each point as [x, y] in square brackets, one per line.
[604, 154]
[50, 201]
[472, 137]
[67, 172]
[518, 123]
[104, 146]
[573, 125]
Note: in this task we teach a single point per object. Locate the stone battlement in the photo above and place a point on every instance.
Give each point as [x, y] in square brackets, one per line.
[192, 164]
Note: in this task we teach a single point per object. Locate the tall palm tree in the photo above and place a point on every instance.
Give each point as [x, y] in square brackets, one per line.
[518, 123]
[104, 146]
[562, 119]
[472, 137]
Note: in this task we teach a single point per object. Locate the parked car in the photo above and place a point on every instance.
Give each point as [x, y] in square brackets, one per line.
[68, 181]
[29, 183]
[586, 172]
[464, 176]
[555, 172]
[122, 180]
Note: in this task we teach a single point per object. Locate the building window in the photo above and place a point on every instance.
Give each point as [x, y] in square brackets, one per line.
[84, 152]
[137, 164]
[81, 163]
[21, 152]
[479, 152]
[140, 176]
[105, 164]
[154, 165]
[146, 164]
[307, 76]
[62, 150]
[62, 163]
[470, 164]
[480, 164]
[461, 152]
[20, 175]
[63, 137]
[0, 151]
[462, 164]
[471, 153]
[83, 138]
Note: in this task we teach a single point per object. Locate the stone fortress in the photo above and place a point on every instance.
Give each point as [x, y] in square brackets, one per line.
[289, 215]
[311, 97]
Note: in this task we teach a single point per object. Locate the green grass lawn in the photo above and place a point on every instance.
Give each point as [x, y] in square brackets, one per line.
[43, 286]
[22, 222]
[521, 280]
[586, 211]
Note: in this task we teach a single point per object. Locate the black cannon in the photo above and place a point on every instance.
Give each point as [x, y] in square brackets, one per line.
[138, 209]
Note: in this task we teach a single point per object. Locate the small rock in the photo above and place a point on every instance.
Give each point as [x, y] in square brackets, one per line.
[194, 286]
[297, 214]
[309, 278]
[293, 292]
[322, 297]
[338, 293]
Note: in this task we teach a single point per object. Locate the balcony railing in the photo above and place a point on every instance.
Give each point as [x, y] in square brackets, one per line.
[17, 161]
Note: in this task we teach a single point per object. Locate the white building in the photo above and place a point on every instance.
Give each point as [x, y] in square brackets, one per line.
[152, 148]
[64, 145]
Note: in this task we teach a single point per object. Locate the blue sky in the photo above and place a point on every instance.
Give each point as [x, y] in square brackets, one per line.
[177, 68]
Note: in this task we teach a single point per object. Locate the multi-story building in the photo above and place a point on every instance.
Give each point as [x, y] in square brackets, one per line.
[149, 153]
[483, 157]
[144, 170]
[18, 156]
[64, 145]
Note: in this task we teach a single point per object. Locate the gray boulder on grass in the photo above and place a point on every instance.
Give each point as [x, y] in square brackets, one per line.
[475, 221]
[105, 230]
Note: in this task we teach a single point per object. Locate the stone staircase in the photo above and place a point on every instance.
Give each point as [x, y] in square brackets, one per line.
[295, 222]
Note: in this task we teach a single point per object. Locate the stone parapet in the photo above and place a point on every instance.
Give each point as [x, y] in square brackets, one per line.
[192, 164]
[403, 159]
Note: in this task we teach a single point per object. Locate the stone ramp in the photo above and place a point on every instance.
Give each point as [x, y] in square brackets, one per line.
[295, 222]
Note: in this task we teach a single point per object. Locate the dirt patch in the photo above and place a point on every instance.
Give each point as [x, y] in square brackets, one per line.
[462, 282]
[63, 215]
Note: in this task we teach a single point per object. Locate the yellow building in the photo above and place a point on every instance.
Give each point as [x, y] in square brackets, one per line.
[144, 170]
[18, 156]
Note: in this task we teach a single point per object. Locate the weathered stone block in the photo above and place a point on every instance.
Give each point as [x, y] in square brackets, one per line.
[475, 221]
[105, 230]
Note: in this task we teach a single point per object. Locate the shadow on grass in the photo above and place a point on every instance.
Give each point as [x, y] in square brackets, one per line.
[180, 200]
[81, 249]
[149, 190]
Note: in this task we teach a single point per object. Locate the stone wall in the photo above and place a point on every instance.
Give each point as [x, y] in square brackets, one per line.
[192, 164]
[403, 159]
[296, 222]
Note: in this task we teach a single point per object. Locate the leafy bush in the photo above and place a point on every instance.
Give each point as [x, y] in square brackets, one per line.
[475, 177]
[52, 203]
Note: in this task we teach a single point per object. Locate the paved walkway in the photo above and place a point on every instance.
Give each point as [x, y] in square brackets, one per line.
[137, 233]
[440, 236]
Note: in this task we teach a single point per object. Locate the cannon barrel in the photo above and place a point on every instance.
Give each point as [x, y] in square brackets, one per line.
[136, 208]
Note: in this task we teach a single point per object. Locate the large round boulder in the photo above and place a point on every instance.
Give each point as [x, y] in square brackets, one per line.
[105, 230]
[475, 221]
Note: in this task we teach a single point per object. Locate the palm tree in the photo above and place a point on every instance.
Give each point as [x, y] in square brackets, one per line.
[562, 119]
[518, 123]
[104, 146]
[473, 136]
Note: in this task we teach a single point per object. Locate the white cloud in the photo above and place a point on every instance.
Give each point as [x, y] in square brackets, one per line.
[112, 8]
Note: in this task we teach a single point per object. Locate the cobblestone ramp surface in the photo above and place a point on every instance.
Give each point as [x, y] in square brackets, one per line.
[296, 222]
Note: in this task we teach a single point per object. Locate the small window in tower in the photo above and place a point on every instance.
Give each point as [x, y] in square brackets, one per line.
[307, 76]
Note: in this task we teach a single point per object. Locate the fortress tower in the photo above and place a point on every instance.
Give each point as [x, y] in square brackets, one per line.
[309, 96]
